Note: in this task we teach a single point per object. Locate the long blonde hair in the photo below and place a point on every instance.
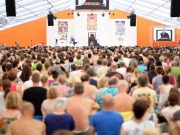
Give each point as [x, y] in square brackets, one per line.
[12, 101]
[52, 93]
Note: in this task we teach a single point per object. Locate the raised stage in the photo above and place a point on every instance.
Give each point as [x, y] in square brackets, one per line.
[165, 43]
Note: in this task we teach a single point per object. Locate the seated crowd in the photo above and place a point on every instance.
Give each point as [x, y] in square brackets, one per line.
[88, 91]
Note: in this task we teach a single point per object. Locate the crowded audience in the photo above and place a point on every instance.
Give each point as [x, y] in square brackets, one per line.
[89, 91]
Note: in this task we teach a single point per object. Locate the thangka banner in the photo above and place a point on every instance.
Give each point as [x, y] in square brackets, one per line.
[92, 22]
[62, 27]
[62, 30]
[120, 27]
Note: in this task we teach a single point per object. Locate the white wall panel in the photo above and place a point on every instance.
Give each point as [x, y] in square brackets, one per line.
[105, 33]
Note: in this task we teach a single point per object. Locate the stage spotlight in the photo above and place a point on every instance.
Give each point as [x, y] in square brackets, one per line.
[71, 13]
[78, 14]
[111, 13]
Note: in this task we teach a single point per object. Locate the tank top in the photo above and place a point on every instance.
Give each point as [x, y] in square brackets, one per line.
[164, 96]
[158, 81]
[171, 80]
[13, 87]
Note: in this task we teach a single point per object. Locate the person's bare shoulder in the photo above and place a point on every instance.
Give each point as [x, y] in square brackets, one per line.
[91, 102]
[116, 97]
[131, 99]
[13, 124]
[93, 87]
[70, 99]
[88, 101]
[40, 126]
[38, 123]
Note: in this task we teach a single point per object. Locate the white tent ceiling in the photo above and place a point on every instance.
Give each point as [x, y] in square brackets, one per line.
[156, 10]
[29, 10]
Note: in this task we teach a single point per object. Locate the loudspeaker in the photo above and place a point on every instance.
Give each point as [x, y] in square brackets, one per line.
[175, 8]
[10, 8]
[50, 20]
[133, 20]
[77, 2]
[107, 4]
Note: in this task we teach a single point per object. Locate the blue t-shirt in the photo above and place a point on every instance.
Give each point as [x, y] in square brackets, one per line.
[142, 68]
[57, 122]
[93, 82]
[107, 123]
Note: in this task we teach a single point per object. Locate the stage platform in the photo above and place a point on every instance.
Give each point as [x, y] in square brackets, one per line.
[165, 43]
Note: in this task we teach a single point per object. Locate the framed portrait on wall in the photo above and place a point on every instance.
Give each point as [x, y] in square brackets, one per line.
[62, 27]
[120, 27]
[92, 22]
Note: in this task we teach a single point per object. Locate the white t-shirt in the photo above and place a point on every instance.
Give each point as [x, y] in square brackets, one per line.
[122, 71]
[126, 61]
[76, 73]
[168, 111]
[19, 74]
[2, 102]
[164, 95]
[133, 128]
[28, 84]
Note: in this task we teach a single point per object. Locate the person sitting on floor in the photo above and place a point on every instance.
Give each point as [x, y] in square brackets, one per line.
[26, 125]
[58, 119]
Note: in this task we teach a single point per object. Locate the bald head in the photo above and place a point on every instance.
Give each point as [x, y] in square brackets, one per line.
[114, 66]
[107, 102]
[36, 77]
[123, 86]
[27, 109]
